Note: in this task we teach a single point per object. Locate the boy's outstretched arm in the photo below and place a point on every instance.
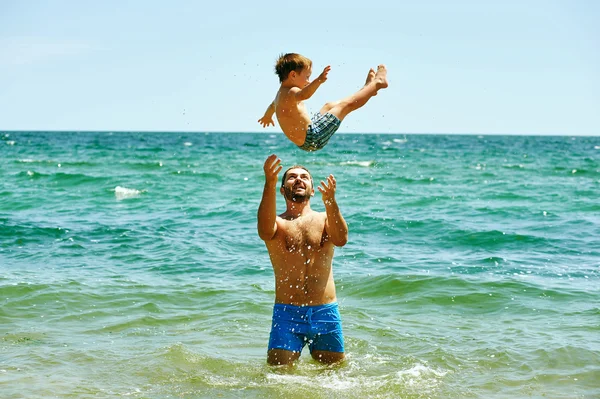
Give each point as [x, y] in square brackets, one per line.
[311, 88]
[267, 118]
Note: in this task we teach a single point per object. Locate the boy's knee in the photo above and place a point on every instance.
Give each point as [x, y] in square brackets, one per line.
[327, 107]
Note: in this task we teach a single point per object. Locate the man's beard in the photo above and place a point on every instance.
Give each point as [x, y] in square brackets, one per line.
[295, 197]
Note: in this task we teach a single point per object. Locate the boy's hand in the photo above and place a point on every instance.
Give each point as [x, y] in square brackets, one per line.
[266, 121]
[323, 76]
[272, 167]
[328, 190]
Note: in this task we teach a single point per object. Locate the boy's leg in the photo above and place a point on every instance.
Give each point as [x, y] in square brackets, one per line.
[332, 104]
[375, 81]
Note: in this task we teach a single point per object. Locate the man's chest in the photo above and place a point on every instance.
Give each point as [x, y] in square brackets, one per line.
[304, 235]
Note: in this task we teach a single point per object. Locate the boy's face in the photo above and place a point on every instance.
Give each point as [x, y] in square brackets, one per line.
[303, 78]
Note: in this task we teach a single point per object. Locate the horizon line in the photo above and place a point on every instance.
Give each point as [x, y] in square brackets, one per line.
[257, 132]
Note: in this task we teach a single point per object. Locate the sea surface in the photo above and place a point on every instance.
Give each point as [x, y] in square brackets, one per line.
[130, 266]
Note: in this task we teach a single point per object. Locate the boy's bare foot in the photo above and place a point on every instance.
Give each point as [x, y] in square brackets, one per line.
[381, 77]
[370, 77]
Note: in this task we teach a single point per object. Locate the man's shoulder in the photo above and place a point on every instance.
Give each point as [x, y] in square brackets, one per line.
[320, 214]
[318, 218]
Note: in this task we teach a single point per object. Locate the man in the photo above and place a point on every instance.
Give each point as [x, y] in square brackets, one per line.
[301, 243]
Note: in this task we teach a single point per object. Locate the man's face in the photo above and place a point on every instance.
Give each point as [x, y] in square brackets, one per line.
[297, 186]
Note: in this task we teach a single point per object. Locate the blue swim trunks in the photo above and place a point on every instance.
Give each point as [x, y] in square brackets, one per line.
[320, 131]
[318, 326]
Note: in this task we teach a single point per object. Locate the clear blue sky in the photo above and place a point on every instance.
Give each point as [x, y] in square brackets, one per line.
[522, 67]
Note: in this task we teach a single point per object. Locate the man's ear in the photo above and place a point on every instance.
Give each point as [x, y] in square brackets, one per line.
[281, 190]
[293, 75]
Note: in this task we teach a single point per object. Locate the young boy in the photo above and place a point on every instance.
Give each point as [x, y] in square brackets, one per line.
[294, 72]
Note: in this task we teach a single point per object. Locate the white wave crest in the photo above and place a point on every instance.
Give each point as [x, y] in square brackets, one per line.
[334, 382]
[419, 377]
[419, 374]
[123, 192]
[365, 164]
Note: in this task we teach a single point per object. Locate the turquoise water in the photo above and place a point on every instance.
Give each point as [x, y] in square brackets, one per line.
[130, 266]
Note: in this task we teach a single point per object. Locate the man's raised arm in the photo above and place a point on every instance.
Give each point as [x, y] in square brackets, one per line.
[267, 210]
[335, 225]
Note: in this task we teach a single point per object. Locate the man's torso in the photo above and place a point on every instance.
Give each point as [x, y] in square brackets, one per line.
[301, 255]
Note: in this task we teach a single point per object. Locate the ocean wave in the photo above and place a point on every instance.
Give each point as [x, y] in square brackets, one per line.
[365, 164]
[63, 179]
[359, 376]
[122, 193]
[63, 164]
[446, 290]
[28, 232]
[421, 202]
[518, 166]
[413, 180]
[32, 175]
[576, 171]
[150, 165]
[490, 239]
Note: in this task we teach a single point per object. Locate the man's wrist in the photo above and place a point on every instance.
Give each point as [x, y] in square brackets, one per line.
[270, 183]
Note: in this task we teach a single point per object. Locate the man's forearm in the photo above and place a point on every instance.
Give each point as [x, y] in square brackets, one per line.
[267, 212]
[338, 228]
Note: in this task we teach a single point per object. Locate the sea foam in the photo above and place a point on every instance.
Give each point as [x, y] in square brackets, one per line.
[365, 164]
[124, 193]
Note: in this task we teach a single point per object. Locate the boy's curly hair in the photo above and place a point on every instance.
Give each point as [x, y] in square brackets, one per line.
[289, 62]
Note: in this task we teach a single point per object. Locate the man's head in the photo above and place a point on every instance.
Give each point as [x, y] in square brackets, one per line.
[295, 64]
[297, 184]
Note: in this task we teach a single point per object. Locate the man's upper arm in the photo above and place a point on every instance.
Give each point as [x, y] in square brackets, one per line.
[267, 233]
[325, 227]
